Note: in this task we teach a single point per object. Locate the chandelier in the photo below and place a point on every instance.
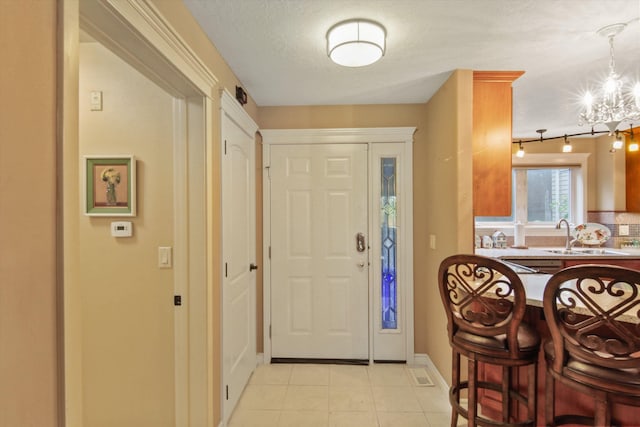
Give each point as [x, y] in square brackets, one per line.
[613, 104]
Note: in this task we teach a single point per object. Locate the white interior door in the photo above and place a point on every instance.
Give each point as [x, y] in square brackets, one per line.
[319, 277]
[239, 254]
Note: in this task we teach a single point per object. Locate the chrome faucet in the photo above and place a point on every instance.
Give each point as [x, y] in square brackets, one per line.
[570, 242]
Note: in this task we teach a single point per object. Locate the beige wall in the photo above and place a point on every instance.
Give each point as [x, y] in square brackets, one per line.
[127, 301]
[443, 206]
[29, 381]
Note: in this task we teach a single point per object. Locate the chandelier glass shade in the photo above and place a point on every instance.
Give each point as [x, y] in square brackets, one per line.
[356, 43]
[615, 102]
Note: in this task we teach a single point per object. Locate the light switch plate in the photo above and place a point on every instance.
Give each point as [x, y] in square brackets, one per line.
[164, 257]
[96, 100]
[623, 229]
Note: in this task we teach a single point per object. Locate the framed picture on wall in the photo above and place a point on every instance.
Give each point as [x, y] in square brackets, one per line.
[110, 185]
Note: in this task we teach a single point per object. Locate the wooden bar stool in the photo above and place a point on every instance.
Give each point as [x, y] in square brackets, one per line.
[485, 303]
[593, 313]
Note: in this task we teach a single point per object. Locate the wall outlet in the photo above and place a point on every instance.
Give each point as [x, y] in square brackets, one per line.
[623, 229]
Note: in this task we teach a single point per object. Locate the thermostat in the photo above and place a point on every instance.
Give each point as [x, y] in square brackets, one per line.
[121, 229]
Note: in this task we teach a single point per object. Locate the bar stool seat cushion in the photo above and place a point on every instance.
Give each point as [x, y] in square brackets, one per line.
[528, 341]
[616, 379]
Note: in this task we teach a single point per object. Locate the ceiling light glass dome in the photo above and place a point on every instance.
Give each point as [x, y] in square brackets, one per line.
[356, 43]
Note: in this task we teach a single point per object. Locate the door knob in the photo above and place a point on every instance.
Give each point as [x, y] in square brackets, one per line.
[361, 264]
[252, 267]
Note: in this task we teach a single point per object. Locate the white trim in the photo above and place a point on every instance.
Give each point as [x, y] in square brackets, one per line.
[425, 360]
[235, 112]
[551, 159]
[180, 270]
[266, 252]
[137, 32]
[384, 343]
[145, 18]
[336, 136]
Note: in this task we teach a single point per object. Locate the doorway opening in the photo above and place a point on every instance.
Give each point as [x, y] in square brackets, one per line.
[329, 292]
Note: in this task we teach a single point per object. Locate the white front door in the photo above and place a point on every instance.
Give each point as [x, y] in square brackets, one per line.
[239, 254]
[319, 272]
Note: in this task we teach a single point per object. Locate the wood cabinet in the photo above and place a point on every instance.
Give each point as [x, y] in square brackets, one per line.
[632, 166]
[492, 138]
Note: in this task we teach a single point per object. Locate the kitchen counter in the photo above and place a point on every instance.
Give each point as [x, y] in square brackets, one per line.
[534, 285]
[545, 253]
[551, 260]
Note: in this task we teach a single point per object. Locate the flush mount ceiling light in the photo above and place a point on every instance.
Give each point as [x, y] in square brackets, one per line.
[356, 43]
[614, 103]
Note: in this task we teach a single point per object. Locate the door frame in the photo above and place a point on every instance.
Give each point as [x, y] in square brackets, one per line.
[140, 35]
[398, 135]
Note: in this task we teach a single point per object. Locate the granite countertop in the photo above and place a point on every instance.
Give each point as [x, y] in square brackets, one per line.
[544, 253]
[534, 285]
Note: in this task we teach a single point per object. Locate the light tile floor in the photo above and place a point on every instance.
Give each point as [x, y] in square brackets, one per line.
[306, 395]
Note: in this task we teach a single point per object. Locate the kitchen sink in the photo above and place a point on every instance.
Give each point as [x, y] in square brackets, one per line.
[586, 251]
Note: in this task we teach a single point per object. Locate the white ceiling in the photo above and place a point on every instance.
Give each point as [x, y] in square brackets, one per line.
[277, 49]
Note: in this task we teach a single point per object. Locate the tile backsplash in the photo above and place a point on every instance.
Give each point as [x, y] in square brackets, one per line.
[613, 220]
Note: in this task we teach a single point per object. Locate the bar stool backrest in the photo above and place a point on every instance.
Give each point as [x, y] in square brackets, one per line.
[482, 296]
[593, 314]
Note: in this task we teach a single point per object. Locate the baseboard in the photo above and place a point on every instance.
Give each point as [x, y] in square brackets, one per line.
[424, 359]
[259, 359]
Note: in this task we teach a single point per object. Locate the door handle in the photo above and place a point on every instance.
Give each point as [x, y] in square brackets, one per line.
[252, 267]
[360, 242]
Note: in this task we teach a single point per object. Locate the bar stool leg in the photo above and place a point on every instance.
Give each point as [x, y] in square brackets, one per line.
[550, 397]
[602, 413]
[455, 382]
[532, 390]
[506, 387]
[472, 405]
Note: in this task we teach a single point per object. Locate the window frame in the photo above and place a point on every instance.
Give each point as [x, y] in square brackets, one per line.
[579, 187]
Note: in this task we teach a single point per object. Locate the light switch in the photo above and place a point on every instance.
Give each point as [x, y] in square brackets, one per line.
[432, 241]
[164, 257]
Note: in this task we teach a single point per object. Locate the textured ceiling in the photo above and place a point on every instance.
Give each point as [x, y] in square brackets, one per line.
[277, 49]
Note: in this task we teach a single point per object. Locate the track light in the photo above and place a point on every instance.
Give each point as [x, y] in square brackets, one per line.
[633, 145]
[566, 148]
[618, 143]
[520, 152]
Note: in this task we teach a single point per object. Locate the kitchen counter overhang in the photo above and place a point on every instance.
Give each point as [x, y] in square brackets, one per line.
[551, 260]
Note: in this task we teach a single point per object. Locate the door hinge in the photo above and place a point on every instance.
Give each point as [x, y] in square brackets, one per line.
[269, 252]
[225, 146]
[225, 269]
[269, 331]
[227, 392]
[177, 300]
